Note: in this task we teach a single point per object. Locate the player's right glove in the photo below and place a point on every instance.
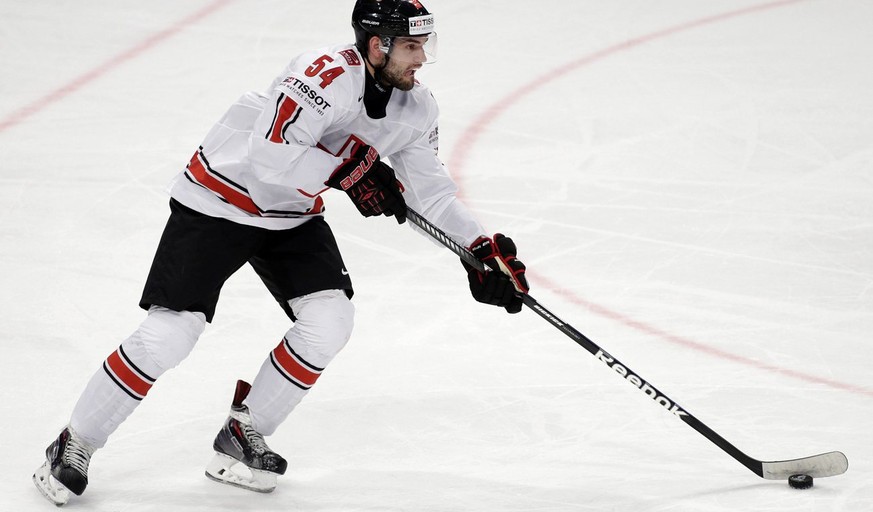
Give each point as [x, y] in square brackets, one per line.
[370, 184]
[504, 283]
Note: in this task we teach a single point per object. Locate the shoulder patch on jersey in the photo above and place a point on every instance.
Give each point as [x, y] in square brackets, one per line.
[308, 95]
[351, 57]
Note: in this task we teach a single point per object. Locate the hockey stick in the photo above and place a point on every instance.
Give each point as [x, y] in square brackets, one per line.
[822, 465]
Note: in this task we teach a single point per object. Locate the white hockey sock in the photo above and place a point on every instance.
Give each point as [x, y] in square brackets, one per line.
[162, 341]
[323, 327]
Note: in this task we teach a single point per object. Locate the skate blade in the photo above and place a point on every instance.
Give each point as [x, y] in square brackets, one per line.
[49, 486]
[227, 470]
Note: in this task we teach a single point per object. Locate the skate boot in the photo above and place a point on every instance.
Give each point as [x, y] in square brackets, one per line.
[242, 458]
[65, 469]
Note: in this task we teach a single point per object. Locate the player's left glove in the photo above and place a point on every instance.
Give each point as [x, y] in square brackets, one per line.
[370, 184]
[504, 283]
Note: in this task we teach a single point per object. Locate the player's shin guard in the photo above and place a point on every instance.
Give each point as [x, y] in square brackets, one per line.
[160, 343]
[163, 339]
[242, 457]
[323, 327]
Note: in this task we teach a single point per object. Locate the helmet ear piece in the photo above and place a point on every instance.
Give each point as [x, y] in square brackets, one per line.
[382, 44]
[385, 43]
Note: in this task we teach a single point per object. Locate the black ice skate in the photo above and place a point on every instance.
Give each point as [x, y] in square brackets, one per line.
[65, 469]
[242, 458]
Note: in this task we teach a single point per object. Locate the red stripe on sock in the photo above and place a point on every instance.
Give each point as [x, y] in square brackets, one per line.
[293, 367]
[135, 383]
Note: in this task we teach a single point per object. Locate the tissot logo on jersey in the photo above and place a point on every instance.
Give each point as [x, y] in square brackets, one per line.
[308, 95]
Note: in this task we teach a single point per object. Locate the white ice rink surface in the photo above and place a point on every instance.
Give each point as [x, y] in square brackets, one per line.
[690, 183]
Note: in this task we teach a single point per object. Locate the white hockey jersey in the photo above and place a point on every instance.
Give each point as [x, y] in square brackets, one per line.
[264, 163]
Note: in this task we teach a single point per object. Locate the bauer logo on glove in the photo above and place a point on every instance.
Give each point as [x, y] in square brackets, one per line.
[370, 184]
[358, 171]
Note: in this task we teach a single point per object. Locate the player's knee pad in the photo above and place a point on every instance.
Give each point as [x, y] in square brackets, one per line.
[163, 340]
[324, 325]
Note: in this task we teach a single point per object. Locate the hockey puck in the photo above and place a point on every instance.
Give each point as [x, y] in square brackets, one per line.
[800, 481]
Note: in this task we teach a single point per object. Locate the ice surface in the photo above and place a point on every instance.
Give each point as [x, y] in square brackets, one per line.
[690, 183]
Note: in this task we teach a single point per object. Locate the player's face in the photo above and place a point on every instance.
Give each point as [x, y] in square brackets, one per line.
[407, 56]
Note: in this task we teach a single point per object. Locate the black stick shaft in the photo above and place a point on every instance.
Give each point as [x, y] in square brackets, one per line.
[655, 394]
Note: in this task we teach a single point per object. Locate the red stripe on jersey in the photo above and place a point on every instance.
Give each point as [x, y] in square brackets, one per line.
[294, 367]
[127, 377]
[230, 194]
[285, 109]
[318, 206]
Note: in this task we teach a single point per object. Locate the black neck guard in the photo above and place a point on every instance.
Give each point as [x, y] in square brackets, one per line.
[376, 96]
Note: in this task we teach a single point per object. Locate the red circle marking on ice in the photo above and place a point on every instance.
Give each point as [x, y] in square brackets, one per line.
[482, 123]
[458, 158]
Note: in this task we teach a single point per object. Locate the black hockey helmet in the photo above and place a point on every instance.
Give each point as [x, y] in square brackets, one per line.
[388, 19]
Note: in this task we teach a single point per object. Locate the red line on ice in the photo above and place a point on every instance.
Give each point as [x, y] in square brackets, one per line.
[36, 106]
[700, 347]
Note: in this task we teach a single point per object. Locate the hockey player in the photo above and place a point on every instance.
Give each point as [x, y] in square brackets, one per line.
[251, 193]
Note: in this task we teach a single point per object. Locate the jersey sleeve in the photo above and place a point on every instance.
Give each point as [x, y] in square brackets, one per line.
[429, 189]
[314, 94]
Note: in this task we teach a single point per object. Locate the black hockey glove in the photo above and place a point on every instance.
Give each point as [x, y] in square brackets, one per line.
[370, 184]
[504, 283]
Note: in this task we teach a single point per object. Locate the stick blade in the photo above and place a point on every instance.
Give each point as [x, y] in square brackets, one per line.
[816, 466]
